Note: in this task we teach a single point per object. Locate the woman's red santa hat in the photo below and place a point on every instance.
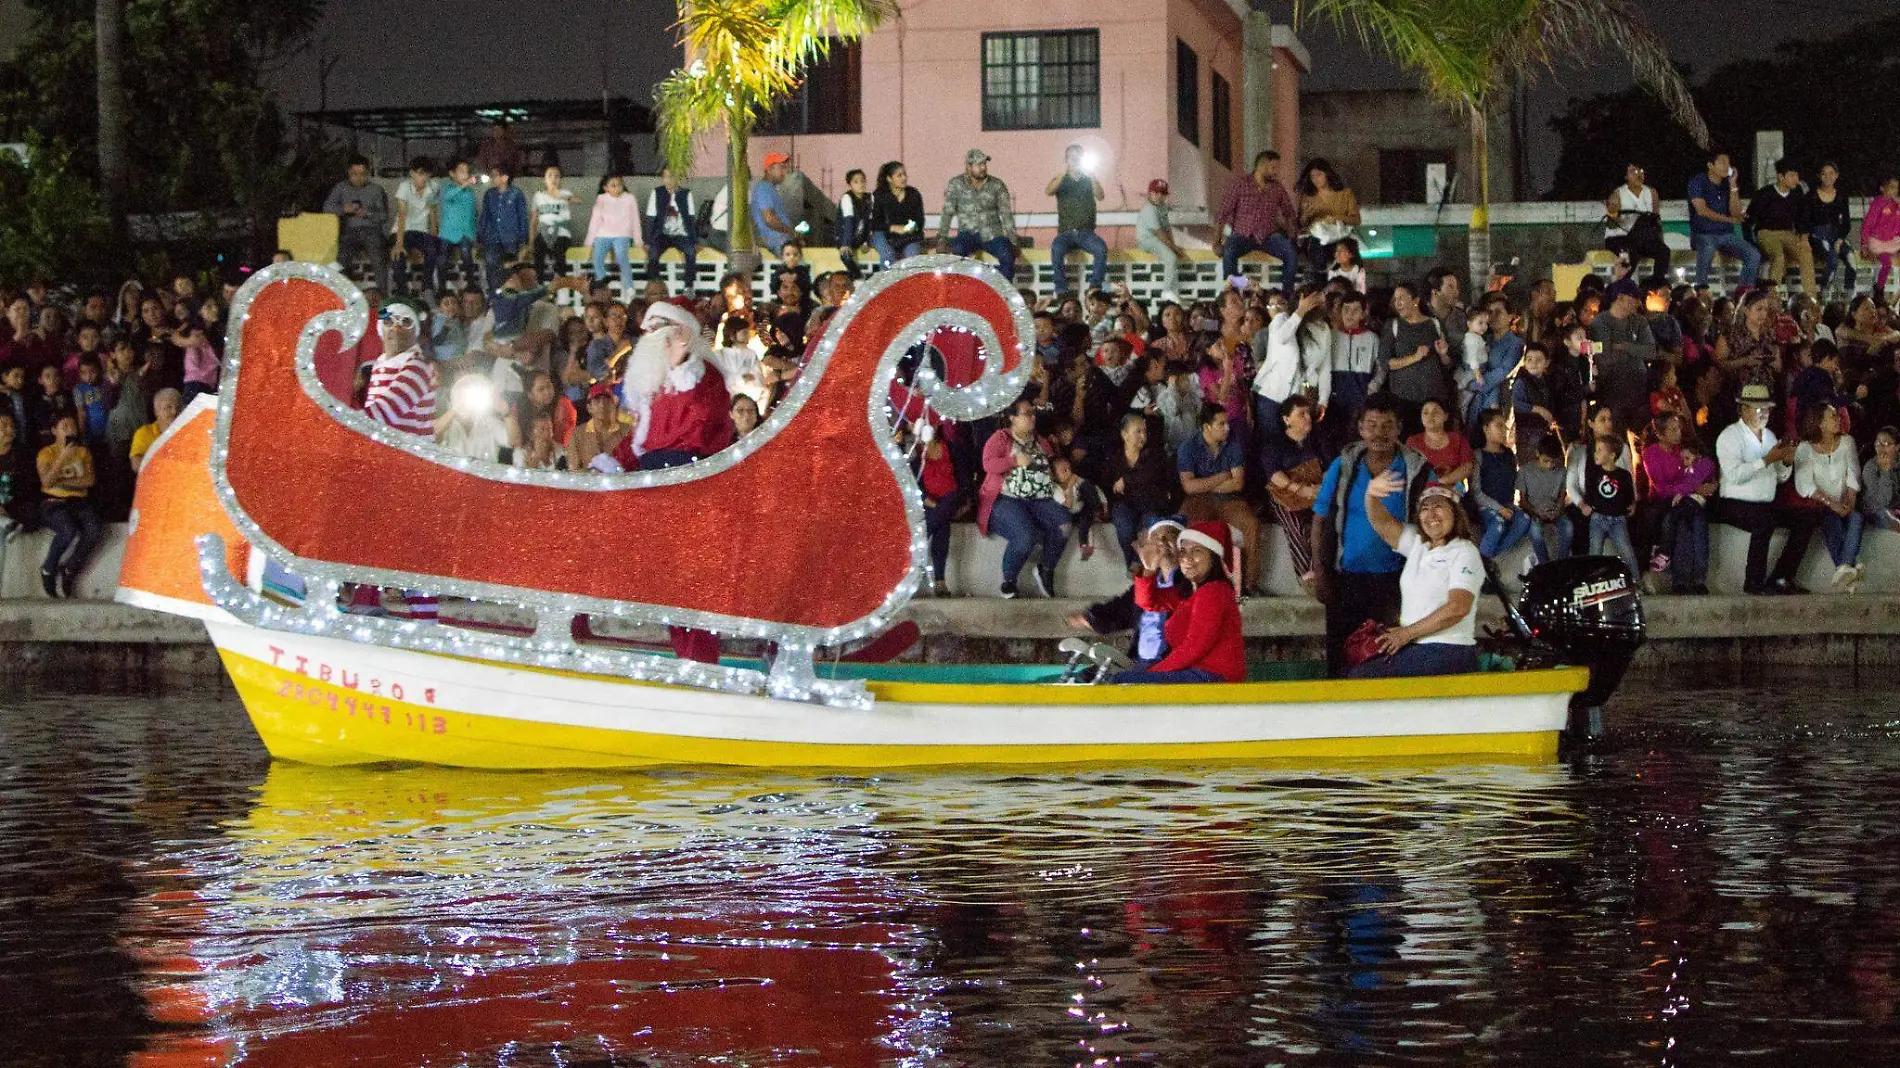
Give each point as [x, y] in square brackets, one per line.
[1216, 538]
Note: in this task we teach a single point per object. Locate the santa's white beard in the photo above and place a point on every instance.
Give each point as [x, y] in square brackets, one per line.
[646, 367]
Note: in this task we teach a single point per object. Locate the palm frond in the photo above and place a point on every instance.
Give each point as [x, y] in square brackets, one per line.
[1576, 26]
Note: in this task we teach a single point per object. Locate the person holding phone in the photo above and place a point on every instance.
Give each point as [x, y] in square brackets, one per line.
[66, 479]
[1715, 210]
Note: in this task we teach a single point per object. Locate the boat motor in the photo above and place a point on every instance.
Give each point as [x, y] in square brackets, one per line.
[1585, 611]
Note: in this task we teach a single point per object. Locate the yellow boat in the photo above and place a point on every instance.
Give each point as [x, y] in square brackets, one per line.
[322, 687]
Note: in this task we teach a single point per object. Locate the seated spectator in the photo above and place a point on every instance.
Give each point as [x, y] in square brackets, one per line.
[540, 401]
[1826, 473]
[1357, 571]
[19, 483]
[1533, 401]
[51, 403]
[66, 479]
[165, 408]
[1880, 482]
[1633, 228]
[1213, 477]
[1447, 450]
[474, 424]
[90, 403]
[1682, 481]
[1609, 495]
[1203, 634]
[1294, 463]
[1080, 498]
[672, 221]
[745, 415]
[1018, 499]
[1753, 464]
[601, 435]
[1541, 494]
[1141, 482]
[448, 337]
[1438, 588]
[897, 215]
[1155, 553]
[1495, 490]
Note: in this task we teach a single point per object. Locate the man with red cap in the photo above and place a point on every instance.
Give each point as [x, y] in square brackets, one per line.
[769, 227]
[1155, 235]
[1203, 628]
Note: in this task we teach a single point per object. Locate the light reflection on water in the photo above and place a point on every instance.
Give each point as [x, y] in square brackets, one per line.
[1722, 885]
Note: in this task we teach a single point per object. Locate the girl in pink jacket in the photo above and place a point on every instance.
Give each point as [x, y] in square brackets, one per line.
[1880, 232]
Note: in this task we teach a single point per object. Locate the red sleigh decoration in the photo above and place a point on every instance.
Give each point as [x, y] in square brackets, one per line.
[812, 530]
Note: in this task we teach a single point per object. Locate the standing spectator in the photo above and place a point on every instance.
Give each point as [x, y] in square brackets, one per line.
[1257, 213]
[1495, 490]
[1714, 212]
[1541, 494]
[19, 482]
[897, 215]
[672, 221]
[503, 228]
[1779, 214]
[769, 224]
[1346, 267]
[1076, 190]
[1155, 236]
[1880, 233]
[1298, 347]
[1355, 359]
[15, 400]
[66, 479]
[1356, 571]
[1142, 485]
[553, 232]
[1682, 481]
[1828, 227]
[457, 205]
[448, 337]
[1626, 349]
[1448, 451]
[1295, 465]
[1880, 482]
[418, 217]
[362, 211]
[1633, 226]
[1414, 357]
[982, 213]
[1753, 464]
[943, 496]
[610, 228]
[1609, 494]
[1443, 301]
[1826, 472]
[1018, 499]
[1213, 472]
[854, 220]
[499, 149]
[1503, 352]
[1329, 214]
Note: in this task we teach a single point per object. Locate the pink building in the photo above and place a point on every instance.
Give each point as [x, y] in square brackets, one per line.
[1186, 90]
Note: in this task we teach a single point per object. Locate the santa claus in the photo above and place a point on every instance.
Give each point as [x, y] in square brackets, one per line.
[678, 388]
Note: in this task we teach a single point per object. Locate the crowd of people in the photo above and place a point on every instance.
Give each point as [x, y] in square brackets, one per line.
[1376, 431]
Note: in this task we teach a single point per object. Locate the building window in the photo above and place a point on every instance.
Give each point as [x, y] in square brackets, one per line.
[828, 101]
[1223, 123]
[1187, 92]
[1042, 81]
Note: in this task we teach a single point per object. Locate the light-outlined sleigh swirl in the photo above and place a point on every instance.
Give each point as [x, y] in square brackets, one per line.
[809, 531]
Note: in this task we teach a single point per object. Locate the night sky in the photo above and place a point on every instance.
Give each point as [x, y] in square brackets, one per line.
[439, 51]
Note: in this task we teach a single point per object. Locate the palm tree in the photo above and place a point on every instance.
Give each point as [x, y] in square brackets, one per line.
[744, 56]
[1471, 54]
[109, 26]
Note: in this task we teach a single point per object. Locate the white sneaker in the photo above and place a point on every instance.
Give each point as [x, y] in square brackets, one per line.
[1843, 576]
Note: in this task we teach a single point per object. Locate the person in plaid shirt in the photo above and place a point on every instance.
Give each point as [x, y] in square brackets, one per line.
[1259, 215]
[985, 216]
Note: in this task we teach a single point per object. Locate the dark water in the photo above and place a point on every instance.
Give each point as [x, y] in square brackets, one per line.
[1721, 886]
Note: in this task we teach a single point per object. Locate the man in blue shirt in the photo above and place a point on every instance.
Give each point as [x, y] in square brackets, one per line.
[1213, 473]
[1357, 572]
[769, 227]
[1715, 209]
[504, 224]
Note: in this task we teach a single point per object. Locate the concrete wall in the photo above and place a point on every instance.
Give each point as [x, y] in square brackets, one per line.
[1350, 128]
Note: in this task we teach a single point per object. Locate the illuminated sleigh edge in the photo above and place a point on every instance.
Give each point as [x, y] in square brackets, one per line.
[994, 313]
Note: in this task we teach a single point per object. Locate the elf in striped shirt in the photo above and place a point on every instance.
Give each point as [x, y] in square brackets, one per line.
[401, 395]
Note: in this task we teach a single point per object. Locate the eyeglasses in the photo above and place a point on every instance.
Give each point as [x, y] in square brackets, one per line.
[398, 319]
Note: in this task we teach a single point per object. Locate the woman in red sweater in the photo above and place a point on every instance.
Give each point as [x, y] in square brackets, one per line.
[1203, 628]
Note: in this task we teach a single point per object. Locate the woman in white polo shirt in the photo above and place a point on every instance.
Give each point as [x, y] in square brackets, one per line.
[1438, 590]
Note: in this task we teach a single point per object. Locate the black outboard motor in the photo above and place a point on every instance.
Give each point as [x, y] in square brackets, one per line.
[1585, 611]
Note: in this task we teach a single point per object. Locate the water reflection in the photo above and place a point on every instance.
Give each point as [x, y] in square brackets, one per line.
[1721, 887]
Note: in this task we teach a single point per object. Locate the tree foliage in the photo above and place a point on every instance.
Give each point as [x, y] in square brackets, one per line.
[743, 57]
[1822, 94]
[52, 225]
[205, 135]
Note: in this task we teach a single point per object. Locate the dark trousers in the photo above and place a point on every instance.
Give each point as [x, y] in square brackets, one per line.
[1355, 599]
[75, 526]
[494, 259]
[358, 244]
[659, 244]
[1279, 246]
[937, 519]
[968, 242]
[550, 256]
[1640, 249]
[434, 253]
[1760, 520]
